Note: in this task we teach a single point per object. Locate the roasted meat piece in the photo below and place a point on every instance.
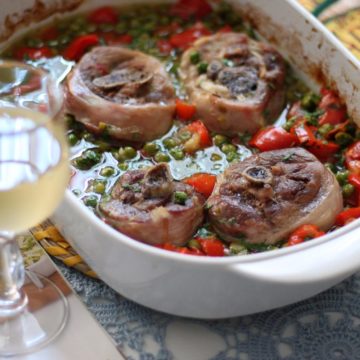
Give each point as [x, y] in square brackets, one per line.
[262, 199]
[148, 205]
[123, 91]
[238, 83]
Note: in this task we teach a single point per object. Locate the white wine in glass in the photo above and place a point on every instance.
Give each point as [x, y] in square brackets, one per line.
[34, 173]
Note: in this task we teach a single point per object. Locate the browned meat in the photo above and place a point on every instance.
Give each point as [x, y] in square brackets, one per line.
[126, 92]
[265, 197]
[148, 205]
[243, 87]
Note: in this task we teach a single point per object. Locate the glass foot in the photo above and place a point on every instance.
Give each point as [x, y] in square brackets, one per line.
[43, 318]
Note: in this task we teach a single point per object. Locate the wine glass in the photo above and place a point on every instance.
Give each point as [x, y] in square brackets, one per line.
[34, 173]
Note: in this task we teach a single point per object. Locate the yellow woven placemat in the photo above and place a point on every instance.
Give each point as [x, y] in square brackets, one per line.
[346, 26]
[55, 245]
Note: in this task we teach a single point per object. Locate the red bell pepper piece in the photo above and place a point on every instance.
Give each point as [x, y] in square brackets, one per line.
[184, 111]
[303, 233]
[181, 250]
[185, 250]
[103, 15]
[191, 8]
[79, 45]
[352, 158]
[184, 39]
[211, 246]
[354, 198]
[304, 134]
[164, 46]
[354, 179]
[198, 127]
[33, 53]
[273, 138]
[323, 150]
[347, 216]
[334, 111]
[202, 183]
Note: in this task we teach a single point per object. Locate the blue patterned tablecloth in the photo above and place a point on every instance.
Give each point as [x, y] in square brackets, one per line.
[326, 326]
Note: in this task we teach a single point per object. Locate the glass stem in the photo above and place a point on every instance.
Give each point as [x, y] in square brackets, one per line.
[12, 299]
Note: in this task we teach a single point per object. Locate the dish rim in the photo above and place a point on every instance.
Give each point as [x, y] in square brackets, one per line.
[94, 220]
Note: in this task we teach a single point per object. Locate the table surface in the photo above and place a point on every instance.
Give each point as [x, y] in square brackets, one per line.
[326, 326]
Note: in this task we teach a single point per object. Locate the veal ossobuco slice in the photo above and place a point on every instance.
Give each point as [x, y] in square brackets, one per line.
[148, 205]
[123, 91]
[236, 83]
[262, 199]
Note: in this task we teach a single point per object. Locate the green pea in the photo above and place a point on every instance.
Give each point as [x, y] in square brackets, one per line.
[88, 137]
[151, 148]
[194, 244]
[123, 166]
[343, 138]
[348, 190]
[195, 57]
[220, 140]
[103, 145]
[90, 200]
[331, 167]
[231, 156]
[237, 249]
[87, 159]
[177, 154]
[169, 143]
[126, 153]
[180, 197]
[325, 129]
[202, 67]
[99, 187]
[161, 157]
[290, 123]
[72, 139]
[228, 148]
[130, 152]
[310, 101]
[342, 177]
[215, 157]
[107, 171]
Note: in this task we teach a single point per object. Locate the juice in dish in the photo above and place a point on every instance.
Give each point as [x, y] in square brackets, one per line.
[32, 178]
[214, 68]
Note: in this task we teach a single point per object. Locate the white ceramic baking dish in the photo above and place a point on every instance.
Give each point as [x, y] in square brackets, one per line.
[219, 287]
